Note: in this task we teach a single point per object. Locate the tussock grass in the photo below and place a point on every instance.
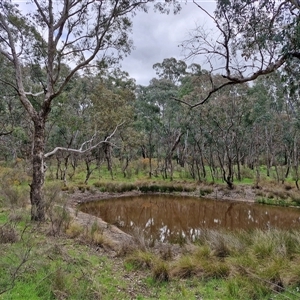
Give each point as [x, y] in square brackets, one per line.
[263, 245]
[161, 271]
[186, 267]
[74, 230]
[260, 259]
[191, 265]
[140, 259]
[89, 234]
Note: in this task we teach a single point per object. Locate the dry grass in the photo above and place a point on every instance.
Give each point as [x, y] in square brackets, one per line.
[8, 234]
[74, 230]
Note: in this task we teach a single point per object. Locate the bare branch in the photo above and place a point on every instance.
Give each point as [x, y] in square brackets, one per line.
[6, 133]
[34, 95]
[296, 3]
[81, 150]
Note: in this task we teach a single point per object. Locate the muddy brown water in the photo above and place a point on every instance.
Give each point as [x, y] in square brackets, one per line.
[171, 218]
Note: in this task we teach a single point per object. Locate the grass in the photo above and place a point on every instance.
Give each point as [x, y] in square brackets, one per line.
[62, 259]
[243, 265]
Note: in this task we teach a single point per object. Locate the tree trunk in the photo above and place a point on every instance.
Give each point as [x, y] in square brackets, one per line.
[38, 172]
[150, 155]
[58, 167]
[125, 166]
[107, 151]
[89, 170]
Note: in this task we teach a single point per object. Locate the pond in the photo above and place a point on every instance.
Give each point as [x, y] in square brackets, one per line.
[171, 218]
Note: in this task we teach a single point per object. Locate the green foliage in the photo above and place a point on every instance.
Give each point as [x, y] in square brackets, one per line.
[271, 201]
[153, 188]
[115, 187]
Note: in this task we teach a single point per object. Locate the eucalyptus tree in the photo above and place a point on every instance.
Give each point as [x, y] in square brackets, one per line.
[194, 146]
[164, 124]
[250, 39]
[276, 111]
[112, 104]
[171, 69]
[50, 34]
[147, 123]
[7, 99]
[68, 123]
[14, 129]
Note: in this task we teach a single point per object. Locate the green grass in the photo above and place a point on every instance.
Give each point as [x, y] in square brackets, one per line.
[3, 217]
[221, 265]
[63, 268]
[59, 269]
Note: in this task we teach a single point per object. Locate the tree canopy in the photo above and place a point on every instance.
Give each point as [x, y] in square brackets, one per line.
[38, 44]
[250, 39]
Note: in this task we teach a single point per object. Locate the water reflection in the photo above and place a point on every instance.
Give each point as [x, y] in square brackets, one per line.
[169, 218]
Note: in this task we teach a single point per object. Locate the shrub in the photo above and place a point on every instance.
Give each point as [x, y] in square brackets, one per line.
[247, 173]
[205, 191]
[287, 187]
[295, 197]
[11, 189]
[8, 234]
[56, 209]
[82, 187]
[115, 187]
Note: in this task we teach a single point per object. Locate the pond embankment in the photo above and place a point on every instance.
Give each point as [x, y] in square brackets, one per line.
[119, 239]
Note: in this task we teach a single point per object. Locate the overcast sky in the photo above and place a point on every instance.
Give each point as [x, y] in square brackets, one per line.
[157, 36]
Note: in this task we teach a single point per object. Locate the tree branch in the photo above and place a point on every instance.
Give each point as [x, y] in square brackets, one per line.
[81, 150]
[233, 48]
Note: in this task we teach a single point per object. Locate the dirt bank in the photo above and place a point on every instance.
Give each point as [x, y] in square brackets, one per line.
[218, 192]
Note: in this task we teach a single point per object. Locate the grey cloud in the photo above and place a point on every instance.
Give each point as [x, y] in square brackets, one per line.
[157, 36]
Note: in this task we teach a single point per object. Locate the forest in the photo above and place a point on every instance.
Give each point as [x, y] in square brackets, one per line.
[240, 132]
[74, 127]
[65, 99]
